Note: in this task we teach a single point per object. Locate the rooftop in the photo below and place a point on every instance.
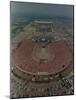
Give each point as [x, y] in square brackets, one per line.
[43, 22]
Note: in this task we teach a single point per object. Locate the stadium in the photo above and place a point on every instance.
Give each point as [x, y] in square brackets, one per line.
[41, 60]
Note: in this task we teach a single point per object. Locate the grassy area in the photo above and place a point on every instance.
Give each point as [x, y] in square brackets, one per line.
[16, 29]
